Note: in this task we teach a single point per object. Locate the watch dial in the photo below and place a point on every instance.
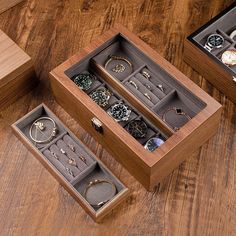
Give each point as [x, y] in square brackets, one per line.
[215, 40]
[153, 143]
[137, 128]
[101, 97]
[84, 81]
[119, 111]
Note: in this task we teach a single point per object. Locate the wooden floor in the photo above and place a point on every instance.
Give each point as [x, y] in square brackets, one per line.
[198, 198]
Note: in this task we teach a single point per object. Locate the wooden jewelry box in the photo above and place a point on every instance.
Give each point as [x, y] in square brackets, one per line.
[216, 63]
[74, 166]
[17, 76]
[151, 87]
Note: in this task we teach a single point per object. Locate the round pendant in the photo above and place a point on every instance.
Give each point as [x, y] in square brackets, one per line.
[229, 57]
[153, 143]
[101, 96]
[84, 81]
[137, 128]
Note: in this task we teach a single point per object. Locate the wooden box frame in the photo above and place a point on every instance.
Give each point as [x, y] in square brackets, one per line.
[97, 215]
[218, 74]
[17, 76]
[147, 167]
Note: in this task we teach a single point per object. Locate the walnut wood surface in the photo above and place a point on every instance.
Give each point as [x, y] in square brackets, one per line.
[6, 4]
[198, 198]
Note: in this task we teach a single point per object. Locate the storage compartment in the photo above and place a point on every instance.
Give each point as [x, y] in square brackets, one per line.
[135, 89]
[211, 50]
[70, 162]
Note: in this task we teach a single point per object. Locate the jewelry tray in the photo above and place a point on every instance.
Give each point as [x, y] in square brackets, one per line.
[209, 64]
[179, 91]
[93, 169]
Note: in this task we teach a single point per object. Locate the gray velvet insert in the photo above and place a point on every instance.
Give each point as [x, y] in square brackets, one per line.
[100, 190]
[67, 146]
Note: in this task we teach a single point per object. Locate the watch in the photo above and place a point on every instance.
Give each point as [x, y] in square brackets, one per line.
[84, 80]
[101, 96]
[137, 128]
[120, 112]
[153, 143]
[214, 41]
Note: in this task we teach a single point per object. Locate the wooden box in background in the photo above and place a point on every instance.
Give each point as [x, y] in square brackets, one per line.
[209, 64]
[17, 76]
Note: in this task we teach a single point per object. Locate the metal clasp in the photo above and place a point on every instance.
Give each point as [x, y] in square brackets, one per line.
[97, 125]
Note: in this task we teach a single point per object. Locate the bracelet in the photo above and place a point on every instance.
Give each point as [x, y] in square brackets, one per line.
[96, 182]
[40, 126]
[233, 34]
[178, 111]
[119, 67]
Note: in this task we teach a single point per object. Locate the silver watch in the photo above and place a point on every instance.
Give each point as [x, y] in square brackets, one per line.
[120, 112]
[214, 41]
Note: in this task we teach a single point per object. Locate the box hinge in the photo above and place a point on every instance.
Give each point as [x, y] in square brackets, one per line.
[234, 79]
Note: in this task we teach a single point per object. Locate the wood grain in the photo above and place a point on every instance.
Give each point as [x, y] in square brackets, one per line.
[6, 4]
[198, 198]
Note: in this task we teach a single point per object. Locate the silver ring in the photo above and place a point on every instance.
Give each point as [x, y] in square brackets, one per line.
[160, 86]
[146, 74]
[70, 172]
[134, 84]
[147, 96]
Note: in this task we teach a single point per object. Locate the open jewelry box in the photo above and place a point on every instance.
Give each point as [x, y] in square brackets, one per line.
[81, 173]
[208, 61]
[173, 108]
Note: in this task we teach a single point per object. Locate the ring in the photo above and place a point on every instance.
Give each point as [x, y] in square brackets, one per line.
[96, 182]
[120, 67]
[134, 84]
[40, 126]
[70, 172]
[233, 34]
[147, 96]
[146, 74]
[178, 111]
[82, 159]
[160, 86]
[62, 151]
[71, 147]
[148, 86]
[55, 155]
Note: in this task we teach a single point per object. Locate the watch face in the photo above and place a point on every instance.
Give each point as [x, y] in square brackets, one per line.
[84, 81]
[101, 96]
[215, 40]
[137, 128]
[153, 143]
[120, 112]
